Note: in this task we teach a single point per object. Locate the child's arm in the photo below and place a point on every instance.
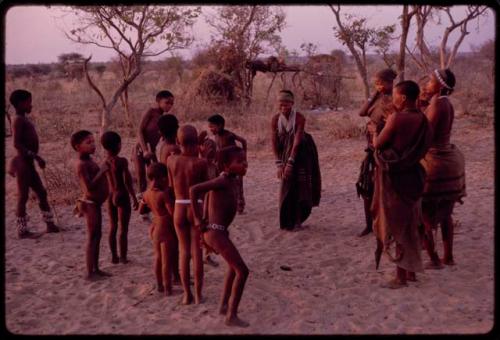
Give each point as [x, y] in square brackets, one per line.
[128, 183]
[386, 135]
[197, 191]
[18, 143]
[90, 183]
[169, 203]
[242, 140]
[142, 134]
[143, 207]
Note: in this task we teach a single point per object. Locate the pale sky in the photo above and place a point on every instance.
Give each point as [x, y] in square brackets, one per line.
[33, 33]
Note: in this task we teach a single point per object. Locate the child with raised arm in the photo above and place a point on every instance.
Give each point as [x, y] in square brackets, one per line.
[22, 166]
[185, 170]
[95, 192]
[120, 187]
[225, 138]
[222, 207]
[163, 234]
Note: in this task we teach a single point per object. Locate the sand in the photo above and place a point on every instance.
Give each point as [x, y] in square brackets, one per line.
[332, 287]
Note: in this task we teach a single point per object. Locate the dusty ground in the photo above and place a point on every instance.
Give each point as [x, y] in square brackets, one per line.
[333, 287]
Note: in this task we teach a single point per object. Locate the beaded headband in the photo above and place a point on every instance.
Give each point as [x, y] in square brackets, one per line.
[441, 80]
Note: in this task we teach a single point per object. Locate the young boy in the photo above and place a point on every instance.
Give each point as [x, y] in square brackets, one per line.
[185, 170]
[95, 192]
[208, 152]
[120, 187]
[163, 233]
[224, 138]
[222, 207]
[168, 126]
[144, 151]
[22, 166]
[399, 182]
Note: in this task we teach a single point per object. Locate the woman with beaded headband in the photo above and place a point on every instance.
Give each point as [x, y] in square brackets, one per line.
[297, 164]
[445, 168]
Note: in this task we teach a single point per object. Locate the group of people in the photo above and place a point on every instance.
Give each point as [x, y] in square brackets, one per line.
[412, 175]
[410, 180]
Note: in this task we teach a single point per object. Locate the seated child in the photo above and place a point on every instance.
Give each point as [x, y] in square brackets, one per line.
[224, 138]
[95, 192]
[163, 236]
[222, 207]
[120, 187]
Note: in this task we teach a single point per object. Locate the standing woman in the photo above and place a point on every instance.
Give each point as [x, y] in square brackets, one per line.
[297, 164]
[445, 168]
[377, 108]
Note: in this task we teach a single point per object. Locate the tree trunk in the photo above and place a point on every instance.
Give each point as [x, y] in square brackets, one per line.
[405, 26]
[126, 107]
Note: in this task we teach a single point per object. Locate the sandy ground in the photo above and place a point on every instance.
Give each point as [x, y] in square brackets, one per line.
[333, 287]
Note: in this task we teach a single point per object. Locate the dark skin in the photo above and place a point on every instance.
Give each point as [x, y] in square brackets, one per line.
[120, 187]
[149, 137]
[160, 203]
[185, 170]
[440, 114]
[285, 107]
[22, 166]
[382, 87]
[225, 137]
[94, 187]
[398, 132]
[171, 148]
[222, 207]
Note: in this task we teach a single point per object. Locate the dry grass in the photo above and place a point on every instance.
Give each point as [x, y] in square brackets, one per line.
[63, 106]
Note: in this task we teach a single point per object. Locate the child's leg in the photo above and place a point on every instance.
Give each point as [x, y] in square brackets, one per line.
[157, 265]
[241, 197]
[226, 293]
[113, 228]
[124, 212]
[175, 259]
[23, 187]
[43, 203]
[429, 244]
[368, 217]
[223, 245]
[182, 229]
[197, 254]
[94, 220]
[165, 268]
[447, 229]
[140, 170]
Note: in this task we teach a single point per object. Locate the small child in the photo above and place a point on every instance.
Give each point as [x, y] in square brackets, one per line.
[120, 187]
[222, 207]
[22, 166]
[225, 138]
[168, 126]
[95, 192]
[208, 152]
[185, 170]
[163, 234]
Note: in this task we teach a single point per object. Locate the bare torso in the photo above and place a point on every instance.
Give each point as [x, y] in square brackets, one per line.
[24, 134]
[222, 202]
[99, 192]
[185, 171]
[408, 124]
[444, 120]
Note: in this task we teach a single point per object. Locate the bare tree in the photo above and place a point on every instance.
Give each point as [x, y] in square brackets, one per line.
[406, 17]
[423, 14]
[354, 33]
[131, 32]
[242, 33]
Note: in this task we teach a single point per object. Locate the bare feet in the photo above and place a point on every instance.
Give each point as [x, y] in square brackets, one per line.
[448, 262]
[393, 284]
[223, 309]
[187, 299]
[168, 292]
[434, 265]
[114, 259]
[198, 300]
[102, 273]
[160, 288]
[52, 228]
[29, 234]
[208, 260]
[411, 277]
[124, 260]
[235, 321]
[365, 232]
